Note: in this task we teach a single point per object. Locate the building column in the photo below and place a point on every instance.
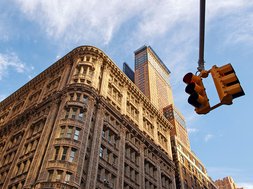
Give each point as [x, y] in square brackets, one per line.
[84, 141]
[95, 147]
[38, 168]
[142, 166]
[121, 158]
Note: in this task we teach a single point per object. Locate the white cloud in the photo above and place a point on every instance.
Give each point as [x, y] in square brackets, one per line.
[2, 96]
[99, 20]
[10, 60]
[192, 130]
[79, 20]
[208, 137]
[245, 185]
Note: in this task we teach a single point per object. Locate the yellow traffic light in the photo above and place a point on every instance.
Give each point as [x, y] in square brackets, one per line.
[198, 97]
[227, 83]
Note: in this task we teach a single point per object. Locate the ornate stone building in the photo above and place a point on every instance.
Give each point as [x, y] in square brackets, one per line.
[82, 123]
[226, 183]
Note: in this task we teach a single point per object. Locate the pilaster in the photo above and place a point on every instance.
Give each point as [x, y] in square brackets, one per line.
[96, 142]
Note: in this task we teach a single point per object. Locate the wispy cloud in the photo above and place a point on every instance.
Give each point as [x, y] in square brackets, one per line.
[80, 20]
[10, 60]
[238, 175]
[221, 172]
[208, 137]
[245, 185]
[2, 96]
[192, 130]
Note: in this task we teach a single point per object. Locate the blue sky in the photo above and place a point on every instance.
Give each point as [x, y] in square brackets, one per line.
[35, 34]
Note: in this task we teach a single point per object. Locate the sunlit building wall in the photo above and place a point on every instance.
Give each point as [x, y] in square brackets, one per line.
[82, 123]
[226, 183]
[152, 77]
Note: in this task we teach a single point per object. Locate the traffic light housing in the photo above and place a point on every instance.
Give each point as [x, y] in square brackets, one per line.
[226, 83]
[196, 90]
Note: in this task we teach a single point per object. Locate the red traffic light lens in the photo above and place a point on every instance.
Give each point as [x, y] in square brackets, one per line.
[188, 78]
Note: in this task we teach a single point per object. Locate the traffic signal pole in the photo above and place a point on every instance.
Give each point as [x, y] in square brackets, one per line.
[201, 61]
[226, 82]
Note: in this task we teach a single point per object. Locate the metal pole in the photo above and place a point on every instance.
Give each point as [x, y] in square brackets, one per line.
[201, 61]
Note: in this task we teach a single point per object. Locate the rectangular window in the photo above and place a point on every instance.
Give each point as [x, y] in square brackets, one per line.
[85, 98]
[69, 132]
[101, 151]
[72, 155]
[67, 177]
[67, 114]
[73, 114]
[76, 134]
[71, 96]
[78, 96]
[57, 149]
[64, 153]
[50, 175]
[59, 175]
[81, 116]
[62, 131]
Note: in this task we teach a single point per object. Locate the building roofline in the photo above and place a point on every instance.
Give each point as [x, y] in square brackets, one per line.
[42, 74]
[144, 47]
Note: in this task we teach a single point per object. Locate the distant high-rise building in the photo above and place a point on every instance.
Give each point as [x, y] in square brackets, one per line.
[177, 120]
[128, 71]
[152, 77]
[82, 124]
[226, 183]
[190, 172]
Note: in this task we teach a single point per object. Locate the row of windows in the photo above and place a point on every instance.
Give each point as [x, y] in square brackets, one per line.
[69, 131]
[150, 169]
[83, 69]
[133, 139]
[131, 173]
[34, 97]
[8, 158]
[18, 185]
[17, 107]
[132, 155]
[23, 167]
[162, 140]
[149, 154]
[166, 182]
[148, 126]
[75, 113]
[15, 140]
[110, 136]
[52, 85]
[132, 99]
[114, 93]
[78, 97]
[108, 155]
[83, 74]
[65, 153]
[35, 128]
[149, 184]
[30, 146]
[106, 177]
[59, 175]
[132, 110]
[191, 167]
